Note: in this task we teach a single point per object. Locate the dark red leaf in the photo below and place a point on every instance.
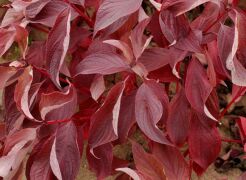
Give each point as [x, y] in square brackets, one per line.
[6, 74]
[46, 12]
[12, 116]
[126, 116]
[178, 123]
[181, 6]
[101, 63]
[97, 87]
[57, 45]
[204, 140]
[15, 150]
[58, 105]
[65, 155]
[21, 92]
[147, 165]
[173, 27]
[155, 58]
[7, 38]
[38, 164]
[175, 166]
[197, 86]
[110, 11]
[104, 124]
[149, 110]
[102, 163]
[139, 42]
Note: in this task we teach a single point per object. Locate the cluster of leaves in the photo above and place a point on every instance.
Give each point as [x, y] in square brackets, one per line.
[104, 70]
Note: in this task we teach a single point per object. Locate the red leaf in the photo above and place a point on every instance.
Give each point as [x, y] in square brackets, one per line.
[102, 163]
[22, 39]
[126, 50]
[147, 164]
[178, 123]
[179, 7]
[13, 118]
[173, 27]
[104, 124]
[225, 43]
[149, 110]
[16, 148]
[101, 63]
[21, 92]
[129, 172]
[230, 40]
[65, 155]
[218, 63]
[127, 116]
[191, 42]
[139, 42]
[112, 10]
[238, 73]
[57, 45]
[155, 29]
[7, 38]
[34, 8]
[155, 58]
[46, 12]
[208, 18]
[163, 74]
[79, 2]
[35, 54]
[6, 74]
[204, 140]
[58, 105]
[174, 163]
[38, 164]
[197, 86]
[97, 87]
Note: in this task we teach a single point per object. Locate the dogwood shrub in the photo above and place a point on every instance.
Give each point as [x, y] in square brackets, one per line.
[98, 72]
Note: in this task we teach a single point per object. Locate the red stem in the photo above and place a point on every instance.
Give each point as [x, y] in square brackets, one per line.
[231, 102]
[231, 140]
[58, 121]
[67, 120]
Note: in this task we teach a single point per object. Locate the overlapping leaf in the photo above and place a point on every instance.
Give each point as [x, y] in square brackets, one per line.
[65, 155]
[57, 45]
[197, 85]
[58, 105]
[149, 109]
[178, 123]
[203, 133]
[181, 6]
[104, 125]
[175, 166]
[112, 10]
[104, 71]
[102, 63]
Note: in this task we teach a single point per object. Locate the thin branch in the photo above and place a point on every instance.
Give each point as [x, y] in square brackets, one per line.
[232, 102]
[231, 140]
